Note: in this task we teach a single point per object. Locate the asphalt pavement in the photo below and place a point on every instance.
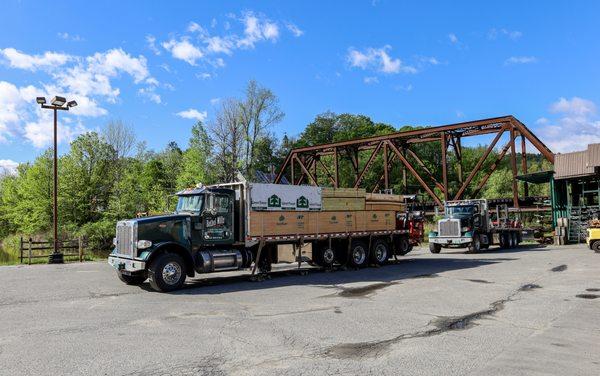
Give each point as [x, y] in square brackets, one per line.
[526, 311]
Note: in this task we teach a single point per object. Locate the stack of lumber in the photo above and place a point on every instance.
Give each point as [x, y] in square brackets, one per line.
[381, 201]
[561, 231]
[594, 223]
[336, 199]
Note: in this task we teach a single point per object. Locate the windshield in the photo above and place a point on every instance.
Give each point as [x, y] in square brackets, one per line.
[461, 211]
[190, 203]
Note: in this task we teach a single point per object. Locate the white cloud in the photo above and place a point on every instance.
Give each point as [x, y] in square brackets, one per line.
[88, 80]
[370, 80]
[150, 94]
[193, 114]
[377, 59]
[151, 43]
[256, 29]
[577, 118]
[511, 34]
[8, 167]
[294, 29]
[453, 38]
[217, 45]
[520, 60]
[71, 37]
[183, 50]
[204, 76]
[574, 106]
[18, 59]
[215, 101]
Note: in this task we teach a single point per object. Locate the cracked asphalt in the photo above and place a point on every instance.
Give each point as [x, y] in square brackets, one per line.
[528, 311]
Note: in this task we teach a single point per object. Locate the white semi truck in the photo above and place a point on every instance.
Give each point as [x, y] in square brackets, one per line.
[471, 224]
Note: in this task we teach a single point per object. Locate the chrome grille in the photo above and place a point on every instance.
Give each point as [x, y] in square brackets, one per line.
[449, 227]
[125, 238]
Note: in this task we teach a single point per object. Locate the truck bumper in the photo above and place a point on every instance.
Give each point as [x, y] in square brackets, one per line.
[125, 265]
[450, 240]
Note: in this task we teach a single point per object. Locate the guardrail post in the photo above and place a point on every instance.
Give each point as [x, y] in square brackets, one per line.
[29, 251]
[80, 245]
[21, 249]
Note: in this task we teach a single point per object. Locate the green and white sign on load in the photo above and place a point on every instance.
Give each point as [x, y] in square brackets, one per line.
[284, 197]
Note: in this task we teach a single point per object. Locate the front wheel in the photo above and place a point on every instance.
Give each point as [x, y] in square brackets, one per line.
[167, 272]
[596, 246]
[136, 279]
[435, 248]
[475, 245]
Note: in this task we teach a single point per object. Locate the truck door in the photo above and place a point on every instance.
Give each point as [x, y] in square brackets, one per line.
[218, 219]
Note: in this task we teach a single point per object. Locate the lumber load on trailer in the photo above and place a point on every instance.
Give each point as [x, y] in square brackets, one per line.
[381, 201]
[270, 223]
[343, 199]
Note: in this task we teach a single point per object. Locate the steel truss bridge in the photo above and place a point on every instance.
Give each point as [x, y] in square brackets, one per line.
[304, 165]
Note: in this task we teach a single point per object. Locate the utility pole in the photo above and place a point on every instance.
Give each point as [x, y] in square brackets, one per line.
[57, 103]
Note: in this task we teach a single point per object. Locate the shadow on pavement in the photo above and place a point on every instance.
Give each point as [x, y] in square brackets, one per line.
[396, 271]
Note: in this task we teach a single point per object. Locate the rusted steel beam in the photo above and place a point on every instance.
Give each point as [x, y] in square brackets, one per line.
[478, 165]
[424, 167]
[314, 167]
[306, 171]
[524, 164]
[331, 178]
[282, 169]
[539, 145]
[390, 162]
[513, 163]
[493, 168]
[368, 165]
[415, 174]
[425, 132]
[444, 146]
[385, 167]
[292, 172]
[337, 167]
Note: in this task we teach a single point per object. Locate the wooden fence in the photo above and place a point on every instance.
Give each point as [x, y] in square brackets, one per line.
[30, 249]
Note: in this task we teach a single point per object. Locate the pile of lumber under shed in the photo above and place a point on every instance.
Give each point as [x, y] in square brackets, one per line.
[381, 201]
[343, 199]
[594, 223]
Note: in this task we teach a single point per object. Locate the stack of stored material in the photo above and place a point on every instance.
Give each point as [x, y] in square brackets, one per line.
[380, 201]
[594, 223]
[265, 223]
[343, 199]
[276, 197]
[561, 231]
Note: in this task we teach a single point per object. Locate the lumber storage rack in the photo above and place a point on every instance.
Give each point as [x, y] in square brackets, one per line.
[302, 165]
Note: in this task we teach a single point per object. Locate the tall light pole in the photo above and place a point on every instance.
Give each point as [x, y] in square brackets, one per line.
[57, 103]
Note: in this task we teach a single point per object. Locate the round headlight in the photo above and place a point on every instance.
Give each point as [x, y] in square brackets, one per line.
[143, 244]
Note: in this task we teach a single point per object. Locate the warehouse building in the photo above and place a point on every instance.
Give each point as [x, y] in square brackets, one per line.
[575, 190]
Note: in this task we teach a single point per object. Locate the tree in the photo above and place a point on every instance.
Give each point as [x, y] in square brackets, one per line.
[227, 136]
[120, 137]
[196, 166]
[258, 111]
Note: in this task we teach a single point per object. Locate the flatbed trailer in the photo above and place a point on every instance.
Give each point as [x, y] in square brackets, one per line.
[215, 229]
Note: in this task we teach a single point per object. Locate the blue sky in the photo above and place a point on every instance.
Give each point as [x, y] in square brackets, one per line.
[159, 66]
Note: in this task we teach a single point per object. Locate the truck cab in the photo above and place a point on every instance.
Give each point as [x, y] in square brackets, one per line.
[471, 224]
[199, 237]
[461, 226]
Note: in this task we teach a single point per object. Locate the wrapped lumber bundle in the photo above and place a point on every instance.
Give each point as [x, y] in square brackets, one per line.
[336, 199]
[278, 197]
[380, 201]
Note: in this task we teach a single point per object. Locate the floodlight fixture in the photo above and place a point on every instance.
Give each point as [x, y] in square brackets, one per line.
[72, 104]
[40, 100]
[58, 101]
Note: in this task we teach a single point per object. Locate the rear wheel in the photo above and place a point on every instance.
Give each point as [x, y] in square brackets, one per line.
[515, 239]
[380, 252]
[358, 254]
[167, 272]
[435, 248]
[136, 279]
[511, 240]
[324, 256]
[596, 246]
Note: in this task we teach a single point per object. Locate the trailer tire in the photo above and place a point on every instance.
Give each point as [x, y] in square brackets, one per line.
[167, 272]
[501, 240]
[324, 256]
[435, 248]
[511, 240]
[596, 246]
[359, 254]
[134, 280]
[515, 239]
[380, 252]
